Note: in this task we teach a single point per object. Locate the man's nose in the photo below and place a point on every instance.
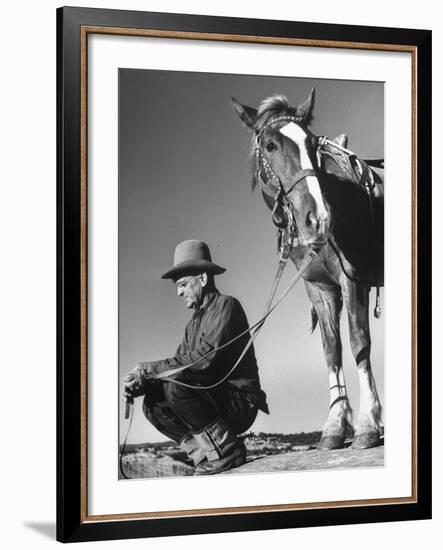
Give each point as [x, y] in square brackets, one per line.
[179, 291]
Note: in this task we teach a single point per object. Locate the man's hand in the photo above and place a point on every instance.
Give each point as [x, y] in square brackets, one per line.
[135, 381]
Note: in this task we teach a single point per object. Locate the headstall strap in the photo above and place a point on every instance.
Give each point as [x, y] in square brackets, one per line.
[274, 120]
[272, 182]
[271, 186]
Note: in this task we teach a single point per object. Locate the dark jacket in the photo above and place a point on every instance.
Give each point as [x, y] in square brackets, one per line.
[221, 319]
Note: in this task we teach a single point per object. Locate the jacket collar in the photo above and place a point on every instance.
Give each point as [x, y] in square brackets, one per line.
[210, 297]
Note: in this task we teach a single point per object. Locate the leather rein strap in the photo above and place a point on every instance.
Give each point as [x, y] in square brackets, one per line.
[298, 178]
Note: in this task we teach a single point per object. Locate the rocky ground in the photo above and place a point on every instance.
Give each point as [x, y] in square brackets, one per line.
[143, 465]
[314, 460]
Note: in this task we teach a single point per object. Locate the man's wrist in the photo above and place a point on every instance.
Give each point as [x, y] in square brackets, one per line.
[146, 369]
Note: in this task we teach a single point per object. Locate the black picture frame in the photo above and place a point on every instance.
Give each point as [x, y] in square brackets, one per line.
[73, 523]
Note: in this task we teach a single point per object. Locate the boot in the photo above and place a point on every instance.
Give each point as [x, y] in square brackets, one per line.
[236, 458]
[192, 448]
[222, 448]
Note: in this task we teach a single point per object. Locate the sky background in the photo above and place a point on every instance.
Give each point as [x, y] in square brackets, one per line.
[184, 173]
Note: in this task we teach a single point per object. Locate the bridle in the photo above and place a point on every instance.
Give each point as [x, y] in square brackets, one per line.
[271, 183]
[275, 193]
[283, 210]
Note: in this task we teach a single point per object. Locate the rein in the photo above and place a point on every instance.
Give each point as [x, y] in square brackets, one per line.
[298, 177]
[254, 329]
[129, 414]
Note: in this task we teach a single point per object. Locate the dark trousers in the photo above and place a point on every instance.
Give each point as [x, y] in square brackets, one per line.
[175, 410]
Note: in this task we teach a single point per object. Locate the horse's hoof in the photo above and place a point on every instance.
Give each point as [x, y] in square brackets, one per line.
[331, 442]
[367, 440]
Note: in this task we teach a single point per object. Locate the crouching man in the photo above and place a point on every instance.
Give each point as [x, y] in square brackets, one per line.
[205, 422]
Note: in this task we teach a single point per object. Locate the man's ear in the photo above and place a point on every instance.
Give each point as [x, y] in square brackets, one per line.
[204, 279]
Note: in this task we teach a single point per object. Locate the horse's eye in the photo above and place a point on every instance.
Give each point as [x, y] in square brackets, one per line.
[270, 147]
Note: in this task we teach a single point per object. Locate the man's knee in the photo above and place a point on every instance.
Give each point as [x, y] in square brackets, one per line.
[175, 392]
[162, 417]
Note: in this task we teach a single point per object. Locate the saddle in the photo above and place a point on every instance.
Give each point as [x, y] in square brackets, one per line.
[368, 175]
[348, 167]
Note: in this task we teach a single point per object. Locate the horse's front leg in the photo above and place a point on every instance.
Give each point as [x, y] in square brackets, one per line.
[327, 303]
[368, 428]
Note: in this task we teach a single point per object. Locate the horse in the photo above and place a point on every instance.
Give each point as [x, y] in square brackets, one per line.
[329, 202]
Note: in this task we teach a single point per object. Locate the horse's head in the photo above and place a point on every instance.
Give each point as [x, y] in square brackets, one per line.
[284, 152]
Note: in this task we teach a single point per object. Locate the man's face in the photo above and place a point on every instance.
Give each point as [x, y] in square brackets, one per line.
[191, 289]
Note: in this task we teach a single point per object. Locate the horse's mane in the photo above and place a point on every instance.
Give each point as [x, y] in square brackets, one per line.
[273, 106]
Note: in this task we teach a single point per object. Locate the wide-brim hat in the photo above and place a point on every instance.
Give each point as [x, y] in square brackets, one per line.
[192, 256]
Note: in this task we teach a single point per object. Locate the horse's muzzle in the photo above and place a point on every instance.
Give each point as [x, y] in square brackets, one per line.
[315, 230]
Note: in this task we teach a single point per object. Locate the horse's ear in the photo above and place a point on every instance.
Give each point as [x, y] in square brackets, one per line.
[247, 114]
[305, 109]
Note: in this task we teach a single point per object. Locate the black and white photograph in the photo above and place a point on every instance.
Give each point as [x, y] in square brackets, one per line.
[219, 229]
[251, 274]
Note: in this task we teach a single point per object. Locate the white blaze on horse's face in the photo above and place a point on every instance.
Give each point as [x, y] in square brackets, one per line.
[296, 134]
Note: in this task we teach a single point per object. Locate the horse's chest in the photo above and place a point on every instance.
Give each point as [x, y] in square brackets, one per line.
[319, 271]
